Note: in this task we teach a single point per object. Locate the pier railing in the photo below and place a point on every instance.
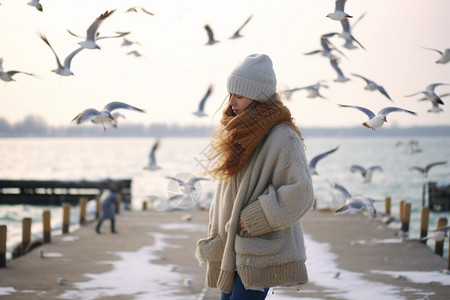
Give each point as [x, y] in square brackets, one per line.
[56, 192]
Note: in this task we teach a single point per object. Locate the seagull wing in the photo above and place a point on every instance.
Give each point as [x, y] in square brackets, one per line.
[436, 50]
[44, 38]
[357, 168]
[387, 110]
[121, 34]
[121, 105]
[69, 58]
[237, 33]
[76, 35]
[340, 5]
[376, 168]
[91, 33]
[147, 12]
[341, 189]
[210, 33]
[334, 64]
[201, 105]
[86, 115]
[362, 77]
[428, 167]
[383, 91]
[367, 111]
[152, 156]
[313, 162]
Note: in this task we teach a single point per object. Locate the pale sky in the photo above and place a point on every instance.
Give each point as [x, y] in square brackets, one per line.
[177, 67]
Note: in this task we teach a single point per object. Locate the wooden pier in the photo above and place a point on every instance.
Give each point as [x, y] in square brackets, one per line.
[56, 192]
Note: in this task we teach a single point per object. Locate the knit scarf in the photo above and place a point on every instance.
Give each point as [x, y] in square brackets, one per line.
[244, 132]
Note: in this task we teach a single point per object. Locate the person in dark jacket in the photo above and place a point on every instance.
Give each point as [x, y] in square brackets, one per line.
[108, 201]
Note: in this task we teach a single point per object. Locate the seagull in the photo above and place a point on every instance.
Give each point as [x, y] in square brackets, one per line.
[313, 90]
[327, 47]
[210, 33]
[188, 185]
[366, 173]
[313, 162]
[438, 234]
[339, 13]
[445, 56]
[354, 203]
[36, 4]
[92, 35]
[376, 121]
[201, 106]
[7, 76]
[237, 33]
[135, 53]
[62, 70]
[104, 116]
[430, 93]
[347, 34]
[152, 165]
[135, 9]
[372, 86]
[341, 77]
[357, 203]
[127, 42]
[424, 171]
[113, 122]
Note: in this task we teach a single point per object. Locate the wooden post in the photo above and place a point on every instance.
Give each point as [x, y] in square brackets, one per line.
[387, 205]
[144, 205]
[439, 245]
[66, 217]
[401, 214]
[406, 216]
[3, 246]
[26, 232]
[82, 202]
[424, 219]
[46, 226]
[119, 201]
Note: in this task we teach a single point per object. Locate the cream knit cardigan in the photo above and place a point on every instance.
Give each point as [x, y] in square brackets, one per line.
[271, 193]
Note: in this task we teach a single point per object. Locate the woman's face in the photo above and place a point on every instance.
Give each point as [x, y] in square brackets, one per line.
[239, 103]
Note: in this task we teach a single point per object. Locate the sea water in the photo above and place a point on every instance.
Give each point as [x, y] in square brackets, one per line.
[126, 158]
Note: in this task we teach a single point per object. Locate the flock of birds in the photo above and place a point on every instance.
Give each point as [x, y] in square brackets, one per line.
[331, 52]
[361, 203]
[328, 50]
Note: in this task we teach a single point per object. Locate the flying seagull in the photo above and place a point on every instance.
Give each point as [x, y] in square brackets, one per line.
[339, 13]
[104, 116]
[341, 77]
[92, 35]
[347, 34]
[7, 75]
[366, 173]
[327, 47]
[439, 234]
[445, 55]
[63, 70]
[210, 33]
[376, 121]
[36, 4]
[372, 86]
[237, 33]
[135, 9]
[201, 106]
[313, 90]
[430, 93]
[152, 165]
[424, 171]
[313, 162]
[354, 203]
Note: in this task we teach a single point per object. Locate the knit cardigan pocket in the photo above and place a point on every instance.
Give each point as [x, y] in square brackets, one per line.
[256, 246]
[209, 250]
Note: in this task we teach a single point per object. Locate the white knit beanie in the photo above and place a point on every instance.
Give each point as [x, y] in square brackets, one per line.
[254, 78]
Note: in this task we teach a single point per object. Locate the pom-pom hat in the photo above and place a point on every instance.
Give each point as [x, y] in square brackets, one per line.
[254, 78]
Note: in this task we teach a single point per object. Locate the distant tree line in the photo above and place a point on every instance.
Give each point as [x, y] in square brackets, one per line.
[36, 126]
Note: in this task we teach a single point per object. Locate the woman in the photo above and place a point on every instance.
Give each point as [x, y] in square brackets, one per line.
[255, 239]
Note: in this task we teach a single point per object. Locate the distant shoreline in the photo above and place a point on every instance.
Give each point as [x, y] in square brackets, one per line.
[174, 130]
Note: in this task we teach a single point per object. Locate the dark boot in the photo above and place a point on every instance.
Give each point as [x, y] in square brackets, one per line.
[113, 228]
[97, 228]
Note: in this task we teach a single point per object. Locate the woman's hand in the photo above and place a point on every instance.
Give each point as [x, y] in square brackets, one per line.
[241, 223]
